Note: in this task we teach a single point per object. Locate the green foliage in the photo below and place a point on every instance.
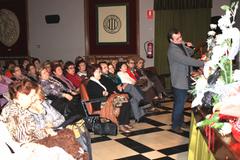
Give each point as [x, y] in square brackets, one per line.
[225, 7]
[226, 70]
[216, 99]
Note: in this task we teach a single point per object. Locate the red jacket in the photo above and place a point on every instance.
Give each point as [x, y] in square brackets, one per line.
[75, 79]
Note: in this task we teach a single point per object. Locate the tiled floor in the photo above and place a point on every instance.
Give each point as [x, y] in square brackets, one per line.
[150, 139]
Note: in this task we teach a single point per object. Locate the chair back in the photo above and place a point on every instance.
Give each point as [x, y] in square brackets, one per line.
[84, 96]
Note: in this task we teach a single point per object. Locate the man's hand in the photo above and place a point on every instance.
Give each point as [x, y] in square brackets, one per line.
[188, 44]
[120, 88]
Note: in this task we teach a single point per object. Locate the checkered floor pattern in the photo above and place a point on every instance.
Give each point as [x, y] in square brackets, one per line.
[150, 139]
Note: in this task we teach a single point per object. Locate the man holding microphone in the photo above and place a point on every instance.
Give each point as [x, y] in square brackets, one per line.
[180, 63]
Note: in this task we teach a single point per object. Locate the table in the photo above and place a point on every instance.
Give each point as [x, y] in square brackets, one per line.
[225, 148]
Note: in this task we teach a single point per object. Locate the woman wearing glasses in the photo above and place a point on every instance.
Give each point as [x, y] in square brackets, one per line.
[70, 74]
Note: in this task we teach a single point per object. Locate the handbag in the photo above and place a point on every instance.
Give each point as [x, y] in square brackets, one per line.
[105, 128]
[94, 123]
[91, 120]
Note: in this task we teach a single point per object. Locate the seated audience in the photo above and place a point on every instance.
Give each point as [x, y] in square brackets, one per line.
[63, 99]
[58, 76]
[136, 97]
[97, 90]
[67, 102]
[112, 88]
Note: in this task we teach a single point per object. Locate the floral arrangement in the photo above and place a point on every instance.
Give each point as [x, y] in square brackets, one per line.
[218, 88]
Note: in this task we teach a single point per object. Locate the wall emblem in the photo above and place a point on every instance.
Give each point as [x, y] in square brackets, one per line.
[9, 27]
[112, 24]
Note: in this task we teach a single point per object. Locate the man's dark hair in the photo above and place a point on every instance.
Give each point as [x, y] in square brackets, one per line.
[102, 62]
[171, 32]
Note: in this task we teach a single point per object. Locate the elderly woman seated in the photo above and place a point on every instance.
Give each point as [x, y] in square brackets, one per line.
[17, 74]
[32, 73]
[82, 70]
[18, 114]
[70, 74]
[29, 118]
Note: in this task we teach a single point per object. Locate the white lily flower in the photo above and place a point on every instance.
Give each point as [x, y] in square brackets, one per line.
[201, 83]
[211, 33]
[218, 52]
[197, 100]
[225, 21]
[233, 34]
[220, 82]
[220, 38]
[236, 75]
[213, 26]
[209, 68]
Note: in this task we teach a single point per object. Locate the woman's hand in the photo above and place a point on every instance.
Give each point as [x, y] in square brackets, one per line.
[77, 90]
[105, 93]
[134, 82]
[124, 85]
[50, 132]
[67, 96]
[74, 93]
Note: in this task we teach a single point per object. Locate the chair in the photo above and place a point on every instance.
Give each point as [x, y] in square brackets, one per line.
[106, 111]
[84, 96]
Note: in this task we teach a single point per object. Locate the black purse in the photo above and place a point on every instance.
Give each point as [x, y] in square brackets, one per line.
[94, 123]
[105, 128]
[91, 120]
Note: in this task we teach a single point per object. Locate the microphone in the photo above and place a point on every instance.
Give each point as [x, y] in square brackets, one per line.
[186, 44]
